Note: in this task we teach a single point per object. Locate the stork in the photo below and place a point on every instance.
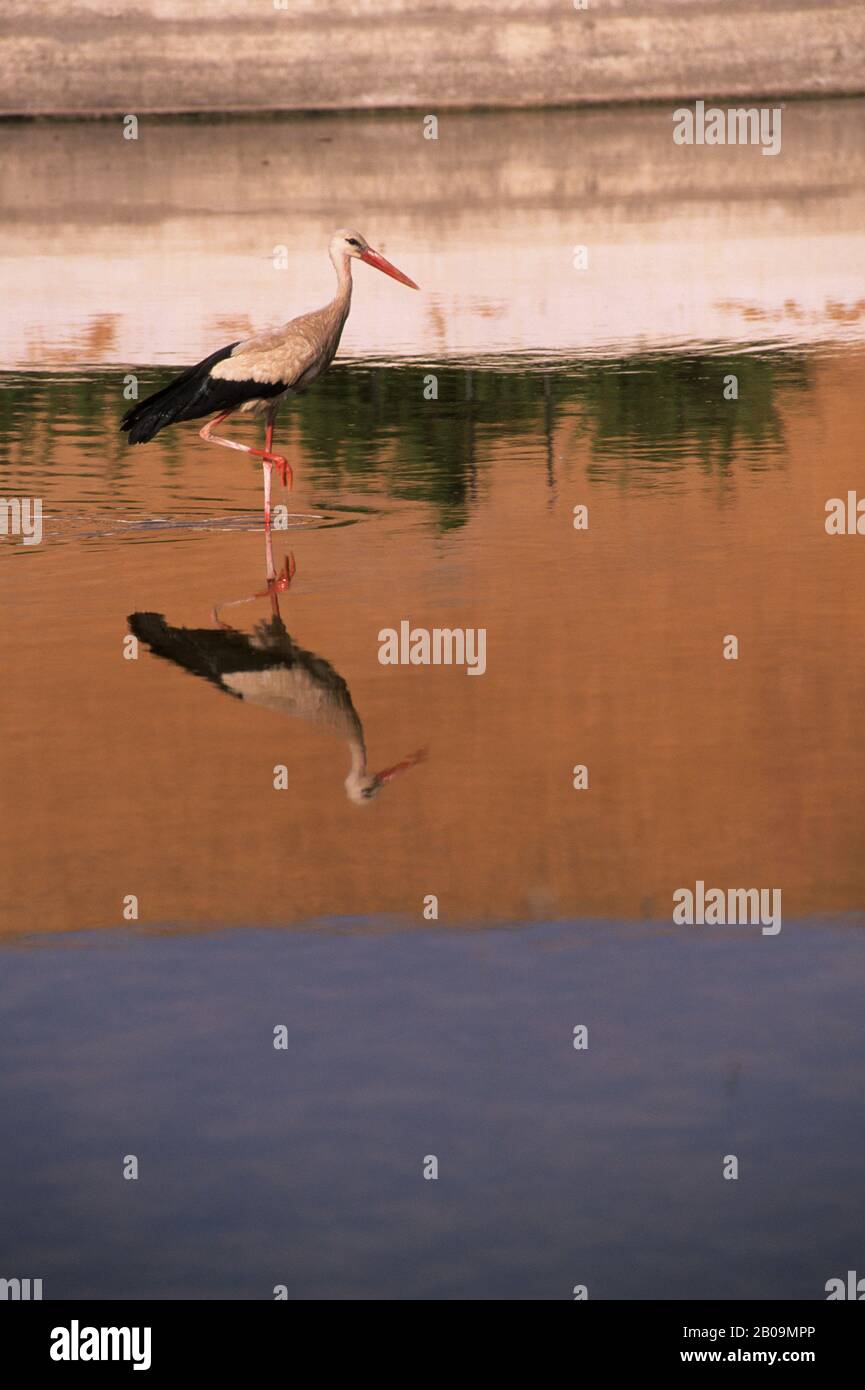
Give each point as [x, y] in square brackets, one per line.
[255, 374]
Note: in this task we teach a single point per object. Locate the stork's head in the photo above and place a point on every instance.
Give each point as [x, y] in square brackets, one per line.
[361, 786]
[348, 244]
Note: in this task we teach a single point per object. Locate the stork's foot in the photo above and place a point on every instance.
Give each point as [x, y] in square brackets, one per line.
[283, 467]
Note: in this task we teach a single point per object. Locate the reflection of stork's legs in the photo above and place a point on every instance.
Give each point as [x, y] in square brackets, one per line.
[218, 607]
[276, 583]
[268, 556]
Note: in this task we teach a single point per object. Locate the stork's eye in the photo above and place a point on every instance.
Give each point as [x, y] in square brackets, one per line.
[352, 241]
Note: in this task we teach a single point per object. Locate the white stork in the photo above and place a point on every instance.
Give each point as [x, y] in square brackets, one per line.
[255, 374]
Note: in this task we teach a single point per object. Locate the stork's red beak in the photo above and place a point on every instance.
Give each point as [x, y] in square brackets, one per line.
[373, 258]
[391, 772]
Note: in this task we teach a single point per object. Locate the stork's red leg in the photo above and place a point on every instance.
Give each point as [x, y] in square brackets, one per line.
[283, 464]
[267, 469]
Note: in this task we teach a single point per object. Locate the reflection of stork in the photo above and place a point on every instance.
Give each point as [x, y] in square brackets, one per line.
[268, 668]
[255, 374]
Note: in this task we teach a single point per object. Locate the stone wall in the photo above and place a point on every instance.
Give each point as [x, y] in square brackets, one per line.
[108, 57]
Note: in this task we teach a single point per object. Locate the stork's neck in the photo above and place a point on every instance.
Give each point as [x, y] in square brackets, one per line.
[342, 265]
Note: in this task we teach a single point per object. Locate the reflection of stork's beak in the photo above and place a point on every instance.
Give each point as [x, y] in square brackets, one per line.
[373, 258]
[391, 772]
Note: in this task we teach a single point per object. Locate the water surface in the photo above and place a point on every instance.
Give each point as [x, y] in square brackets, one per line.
[437, 470]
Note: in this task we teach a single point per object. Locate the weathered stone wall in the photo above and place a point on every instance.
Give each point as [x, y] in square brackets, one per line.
[146, 56]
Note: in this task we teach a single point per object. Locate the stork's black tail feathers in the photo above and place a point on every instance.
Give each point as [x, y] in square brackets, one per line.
[189, 396]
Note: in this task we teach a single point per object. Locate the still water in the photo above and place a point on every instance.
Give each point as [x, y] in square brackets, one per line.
[139, 773]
